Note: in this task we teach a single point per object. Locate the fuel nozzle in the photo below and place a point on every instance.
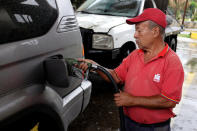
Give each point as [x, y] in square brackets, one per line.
[73, 62]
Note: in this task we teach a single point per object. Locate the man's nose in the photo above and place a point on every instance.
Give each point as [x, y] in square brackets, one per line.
[135, 35]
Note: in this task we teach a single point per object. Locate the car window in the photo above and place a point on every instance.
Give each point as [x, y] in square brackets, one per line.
[127, 8]
[23, 19]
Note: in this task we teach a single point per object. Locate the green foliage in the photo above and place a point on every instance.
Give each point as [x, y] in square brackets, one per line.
[184, 35]
[193, 9]
[178, 7]
[193, 6]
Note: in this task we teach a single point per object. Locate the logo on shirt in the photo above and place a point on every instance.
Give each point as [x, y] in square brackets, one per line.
[156, 78]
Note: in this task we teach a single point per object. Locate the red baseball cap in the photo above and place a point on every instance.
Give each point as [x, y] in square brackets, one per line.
[152, 14]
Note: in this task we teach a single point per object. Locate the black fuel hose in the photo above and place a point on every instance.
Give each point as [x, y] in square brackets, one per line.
[116, 90]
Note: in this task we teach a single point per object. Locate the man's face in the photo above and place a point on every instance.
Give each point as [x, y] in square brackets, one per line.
[143, 35]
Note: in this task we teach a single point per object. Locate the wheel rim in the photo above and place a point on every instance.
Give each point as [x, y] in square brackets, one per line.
[173, 43]
[126, 52]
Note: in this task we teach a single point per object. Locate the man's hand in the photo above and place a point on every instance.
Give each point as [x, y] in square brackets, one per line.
[84, 66]
[124, 99]
[84, 63]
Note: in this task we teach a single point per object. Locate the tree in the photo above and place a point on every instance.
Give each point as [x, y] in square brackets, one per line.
[193, 9]
[178, 6]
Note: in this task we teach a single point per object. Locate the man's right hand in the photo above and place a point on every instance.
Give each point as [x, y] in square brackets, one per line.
[84, 66]
[84, 63]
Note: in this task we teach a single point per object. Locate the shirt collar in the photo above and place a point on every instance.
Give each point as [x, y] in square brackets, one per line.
[162, 53]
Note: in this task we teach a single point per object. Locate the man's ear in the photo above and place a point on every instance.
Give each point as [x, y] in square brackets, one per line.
[156, 31]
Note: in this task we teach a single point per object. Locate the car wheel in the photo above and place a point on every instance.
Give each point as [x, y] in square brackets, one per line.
[125, 51]
[31, 122]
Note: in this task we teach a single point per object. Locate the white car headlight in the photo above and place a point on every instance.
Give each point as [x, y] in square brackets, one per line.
[102, 41]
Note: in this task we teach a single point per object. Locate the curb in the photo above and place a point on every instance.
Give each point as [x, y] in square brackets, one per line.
[183, 39]
[193, 35]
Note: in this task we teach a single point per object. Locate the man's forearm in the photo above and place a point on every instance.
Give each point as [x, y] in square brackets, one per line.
[153, 102]
[104, 76]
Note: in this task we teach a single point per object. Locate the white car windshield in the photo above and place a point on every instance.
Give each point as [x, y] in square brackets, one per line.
[127, 8]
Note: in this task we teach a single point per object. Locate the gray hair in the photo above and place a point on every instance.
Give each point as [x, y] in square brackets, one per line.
[161, 29]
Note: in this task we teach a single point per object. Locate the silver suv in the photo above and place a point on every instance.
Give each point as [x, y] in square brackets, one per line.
[31, 33]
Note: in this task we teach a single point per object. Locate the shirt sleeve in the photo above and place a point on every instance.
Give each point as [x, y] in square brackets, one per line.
[122, 69]
[172, 84]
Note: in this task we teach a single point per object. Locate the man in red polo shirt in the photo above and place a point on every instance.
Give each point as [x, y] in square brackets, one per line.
[152, 76]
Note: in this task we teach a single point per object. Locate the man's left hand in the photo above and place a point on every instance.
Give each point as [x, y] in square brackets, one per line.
[123, 99]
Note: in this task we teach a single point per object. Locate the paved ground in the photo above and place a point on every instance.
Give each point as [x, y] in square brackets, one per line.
[186, 111]
[102, 115]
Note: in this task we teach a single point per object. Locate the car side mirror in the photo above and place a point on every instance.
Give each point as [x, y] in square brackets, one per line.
[56, 72]
[169, 19]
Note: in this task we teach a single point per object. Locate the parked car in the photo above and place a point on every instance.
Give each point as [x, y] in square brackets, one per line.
[35, 33]
[107, 37]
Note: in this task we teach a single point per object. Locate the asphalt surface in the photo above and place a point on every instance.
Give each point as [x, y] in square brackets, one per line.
[102, 114]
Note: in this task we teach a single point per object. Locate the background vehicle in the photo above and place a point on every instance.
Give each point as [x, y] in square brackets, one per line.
[106, 36]
[33, 31]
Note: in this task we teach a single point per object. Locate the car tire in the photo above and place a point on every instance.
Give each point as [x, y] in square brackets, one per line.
[126, 50]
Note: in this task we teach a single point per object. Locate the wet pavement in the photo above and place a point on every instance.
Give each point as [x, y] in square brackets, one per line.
[102, 114]
[186, 111]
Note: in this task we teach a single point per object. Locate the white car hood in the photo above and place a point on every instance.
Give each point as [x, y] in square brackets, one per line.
[99, 23]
